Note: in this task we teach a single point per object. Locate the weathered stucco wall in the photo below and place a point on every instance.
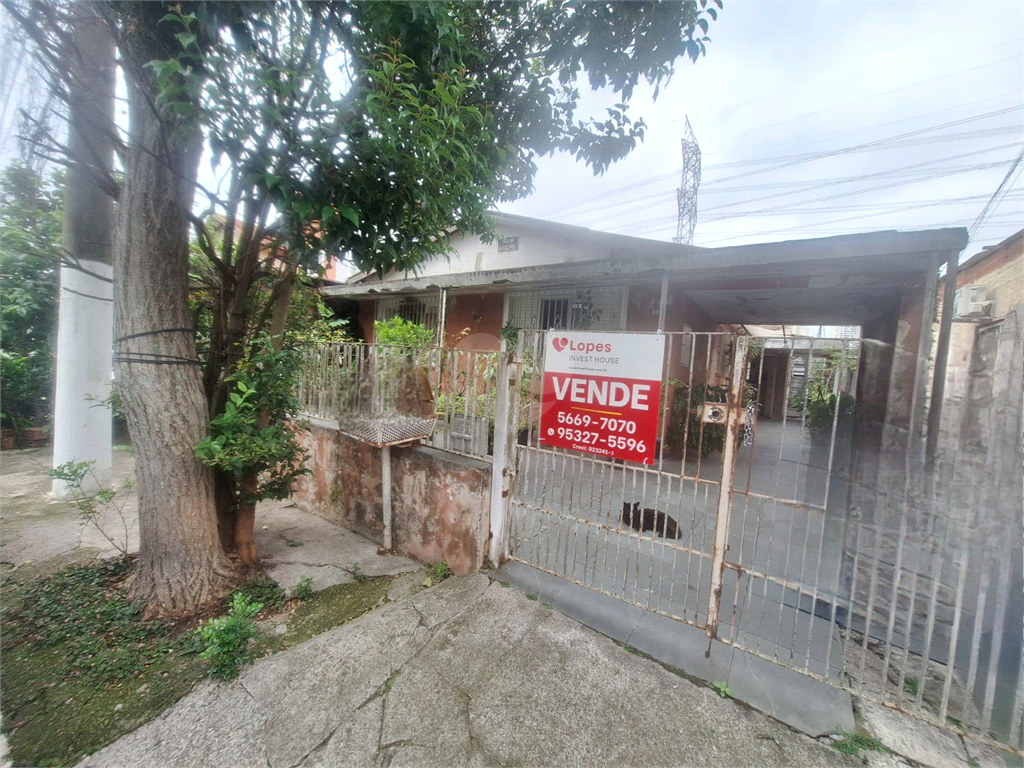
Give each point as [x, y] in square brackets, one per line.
[473, 320]
[440, 501]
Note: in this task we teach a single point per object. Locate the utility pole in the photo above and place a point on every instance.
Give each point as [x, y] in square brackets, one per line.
[686, 195]
[81, 425]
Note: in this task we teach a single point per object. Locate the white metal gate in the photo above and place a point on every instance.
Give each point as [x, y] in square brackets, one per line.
[801, 534]
[566, 509]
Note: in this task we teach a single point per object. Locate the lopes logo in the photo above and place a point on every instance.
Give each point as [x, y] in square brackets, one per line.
[561, 342]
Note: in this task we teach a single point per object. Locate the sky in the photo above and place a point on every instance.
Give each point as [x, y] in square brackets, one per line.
[782, 106]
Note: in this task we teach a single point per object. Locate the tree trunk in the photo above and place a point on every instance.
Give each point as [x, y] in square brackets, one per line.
[81, 430]
[181, 563]
[241, 517]
[227, 508]
[245, 520]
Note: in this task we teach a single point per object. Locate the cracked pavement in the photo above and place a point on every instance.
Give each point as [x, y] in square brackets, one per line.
[467, 673]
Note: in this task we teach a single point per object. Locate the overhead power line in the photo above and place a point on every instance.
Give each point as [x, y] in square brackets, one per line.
[775, 162]
[797, 204]
[996, 196]
[871, 144]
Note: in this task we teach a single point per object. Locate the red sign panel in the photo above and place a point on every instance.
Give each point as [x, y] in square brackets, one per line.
[601, 393]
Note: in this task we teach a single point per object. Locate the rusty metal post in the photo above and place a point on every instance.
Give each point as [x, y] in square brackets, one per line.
[499, 461]
[442, 318]
[385, 492]
[734, 421]
[663, 302]
[941, 359]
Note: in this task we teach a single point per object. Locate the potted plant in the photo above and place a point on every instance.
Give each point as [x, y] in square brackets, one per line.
[35, 437]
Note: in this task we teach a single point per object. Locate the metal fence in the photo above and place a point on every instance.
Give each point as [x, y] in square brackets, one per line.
[803, 527]
[800, 524]
[393, 394]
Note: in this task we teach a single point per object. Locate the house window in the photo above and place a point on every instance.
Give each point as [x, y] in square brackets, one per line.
[598, 308]
[986, 349]
[424, 310]
[554, 313]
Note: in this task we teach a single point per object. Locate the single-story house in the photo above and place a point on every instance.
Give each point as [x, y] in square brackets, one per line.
[542, 274]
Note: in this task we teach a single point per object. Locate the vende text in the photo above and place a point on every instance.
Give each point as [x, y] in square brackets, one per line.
[608, 393]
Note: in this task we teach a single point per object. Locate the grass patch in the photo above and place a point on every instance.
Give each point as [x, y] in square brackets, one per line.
[722, 689]
[264, 591]
[324, 610]
[911, 685]
[440, 572]
[80, 668]
[853, 743]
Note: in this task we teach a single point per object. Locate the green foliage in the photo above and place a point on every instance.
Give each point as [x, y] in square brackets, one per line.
[722, 689]
[400, 332]
[852, 743]
[311, 323]
[227, 638]
[100, 630]
[443, 97]
[266, 592]
[818, 400]
[250, 437]
[304, 589]
[440, 572]
[111, 402]
[180, 77]
[93, 504]
[911, 685]
[510, 335]
[31, 217]
[357, 573]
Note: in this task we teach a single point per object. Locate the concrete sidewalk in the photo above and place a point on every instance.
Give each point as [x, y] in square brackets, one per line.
[465, 673]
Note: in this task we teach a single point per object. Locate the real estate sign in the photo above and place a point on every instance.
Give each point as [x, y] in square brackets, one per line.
[601, 393]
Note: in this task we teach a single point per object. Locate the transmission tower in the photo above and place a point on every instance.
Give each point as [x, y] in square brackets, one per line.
[686, 195]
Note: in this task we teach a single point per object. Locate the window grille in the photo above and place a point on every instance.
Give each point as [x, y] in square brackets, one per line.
[424, 310]
[570, 309]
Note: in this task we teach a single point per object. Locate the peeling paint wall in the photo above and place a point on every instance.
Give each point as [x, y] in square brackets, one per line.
[440, 501]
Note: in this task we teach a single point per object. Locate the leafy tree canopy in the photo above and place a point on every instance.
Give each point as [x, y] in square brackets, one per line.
[378, 128]
[30, 249]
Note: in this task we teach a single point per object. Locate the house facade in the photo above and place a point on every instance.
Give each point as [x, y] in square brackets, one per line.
[540, 274]
[781, 523]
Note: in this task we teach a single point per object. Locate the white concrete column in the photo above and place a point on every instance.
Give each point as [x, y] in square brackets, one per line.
[82, 426]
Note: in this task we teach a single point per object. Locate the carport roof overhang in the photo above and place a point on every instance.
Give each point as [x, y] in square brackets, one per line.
[844, 280]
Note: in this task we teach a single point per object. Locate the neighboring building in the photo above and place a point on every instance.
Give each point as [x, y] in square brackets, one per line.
[988, 313]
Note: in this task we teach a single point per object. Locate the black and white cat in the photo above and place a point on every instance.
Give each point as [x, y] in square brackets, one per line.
[648, 519]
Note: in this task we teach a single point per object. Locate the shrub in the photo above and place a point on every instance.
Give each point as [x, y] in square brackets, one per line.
[401, 332]
[266, 592]
[441, 571]
[227, 638]
[304, 589]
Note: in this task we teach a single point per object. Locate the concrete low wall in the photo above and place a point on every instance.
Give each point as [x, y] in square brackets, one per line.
[440, 501]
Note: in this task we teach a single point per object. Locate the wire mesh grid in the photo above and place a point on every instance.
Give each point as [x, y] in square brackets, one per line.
[378, 394]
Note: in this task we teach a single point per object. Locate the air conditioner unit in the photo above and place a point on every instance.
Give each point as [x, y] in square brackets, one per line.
[969, 302]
